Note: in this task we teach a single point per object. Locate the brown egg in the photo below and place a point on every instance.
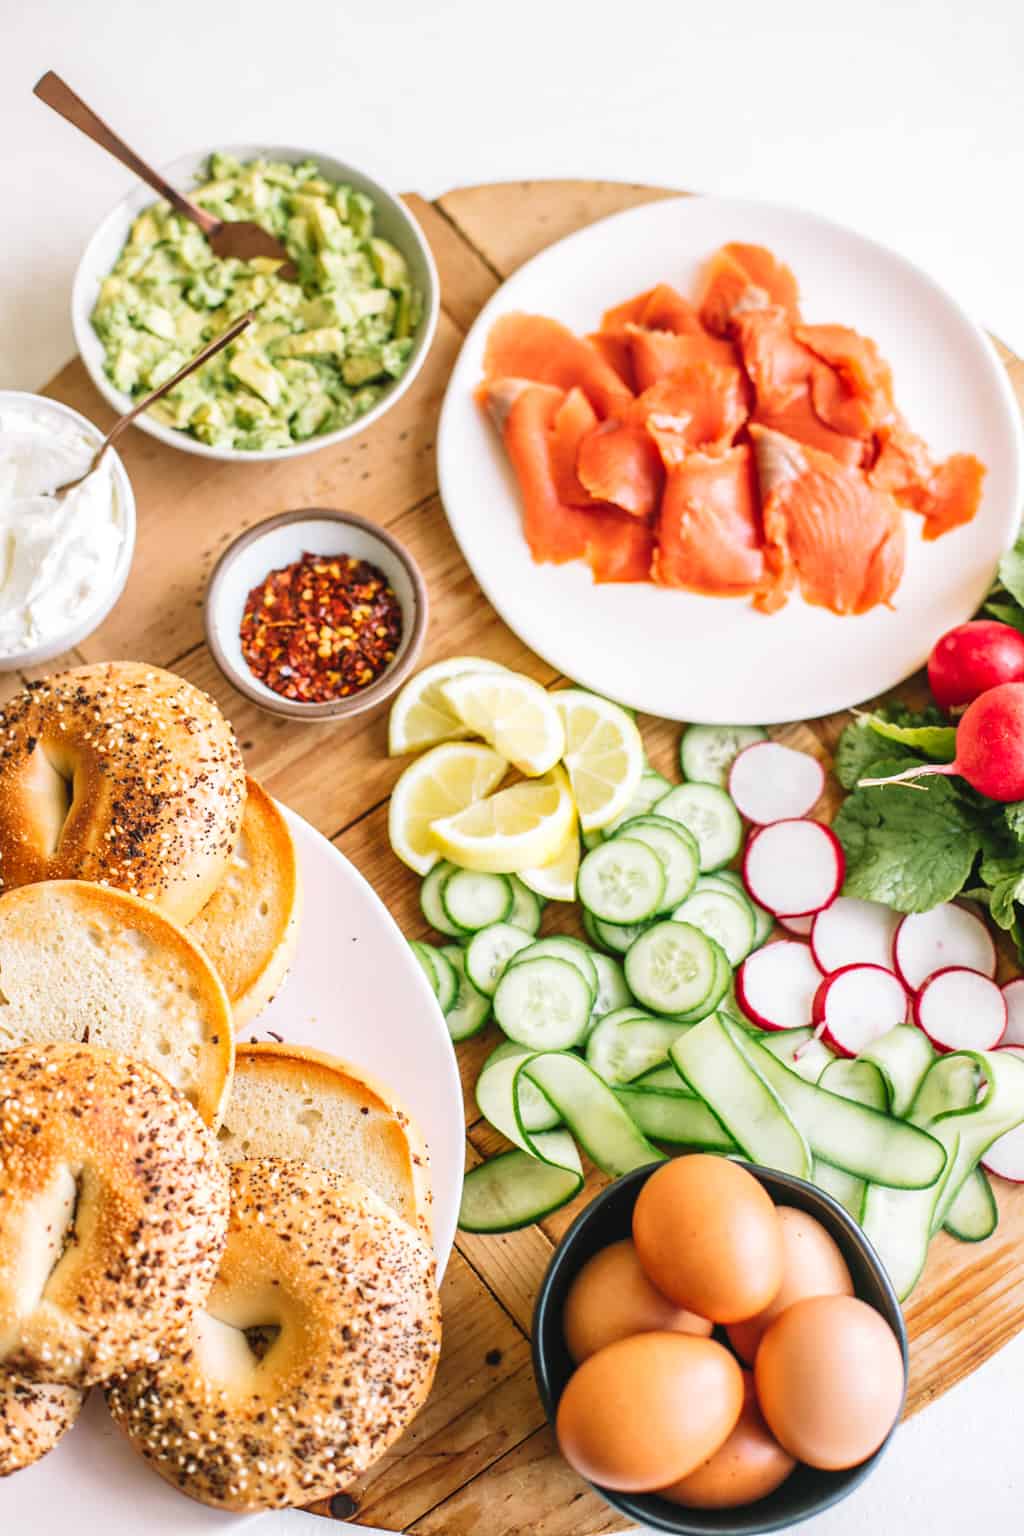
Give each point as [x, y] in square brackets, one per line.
[812, 1265]
[709, 1238]
[612, 1298]
[644, 1411]
[750, 1465]
[829, 1378]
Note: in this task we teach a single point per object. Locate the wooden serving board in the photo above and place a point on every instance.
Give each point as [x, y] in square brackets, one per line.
[480, 1455]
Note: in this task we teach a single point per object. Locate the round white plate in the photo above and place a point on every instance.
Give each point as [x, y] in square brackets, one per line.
[356, 990]
[688, 657]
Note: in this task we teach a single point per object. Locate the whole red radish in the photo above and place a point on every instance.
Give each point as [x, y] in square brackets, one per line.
[989, 747]
[972, 658]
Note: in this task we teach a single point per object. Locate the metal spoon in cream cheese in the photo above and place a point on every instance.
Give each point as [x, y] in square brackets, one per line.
[57, 557]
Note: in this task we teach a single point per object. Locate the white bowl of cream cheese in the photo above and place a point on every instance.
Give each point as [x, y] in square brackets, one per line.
[63, 564]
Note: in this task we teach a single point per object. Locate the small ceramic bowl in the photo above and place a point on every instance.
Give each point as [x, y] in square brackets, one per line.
[277, 542]
[392, 220]
[609, 1218]
[91, 617]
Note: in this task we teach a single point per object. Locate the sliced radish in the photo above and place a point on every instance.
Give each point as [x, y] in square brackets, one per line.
[1013, 995]
[857, 1005]
[769, 782]
[961, 1010]
[775, 986]
[946, 936]
[794, 867]
[854, 932]
[800, 925]
[1005, 1157]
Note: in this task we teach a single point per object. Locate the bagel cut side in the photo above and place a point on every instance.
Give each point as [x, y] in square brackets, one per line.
[290, 1101]
[316, 1349]
[113, 1213]
[250, 925]
[83, 962]
[34, 1415]
[124, 774]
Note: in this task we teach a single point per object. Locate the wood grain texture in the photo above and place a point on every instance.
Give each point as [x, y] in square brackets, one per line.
[479, 1459]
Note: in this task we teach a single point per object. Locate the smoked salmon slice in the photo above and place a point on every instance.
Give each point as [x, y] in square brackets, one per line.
[660, 354]
[947, 495]
[855, 358]
[616, 349]
[709, 532]
[796, 392]
[742, 277]
[619, 547]
[573, 422]
[619, 463]
[801, 421]
[667, 310]
[525, 416]
[703, 405]
[540, 349]
[843, 539]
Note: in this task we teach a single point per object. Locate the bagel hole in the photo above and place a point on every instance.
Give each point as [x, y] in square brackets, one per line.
[261, 1338]
[51, 783]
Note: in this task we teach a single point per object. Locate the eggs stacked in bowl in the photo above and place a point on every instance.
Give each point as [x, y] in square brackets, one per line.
[718, 1348]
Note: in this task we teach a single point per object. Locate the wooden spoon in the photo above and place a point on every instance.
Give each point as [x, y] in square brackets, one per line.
[143, 405]
[242, 238]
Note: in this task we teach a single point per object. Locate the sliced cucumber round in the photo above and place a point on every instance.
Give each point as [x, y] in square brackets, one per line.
[726, 918]
[621, 1049]
[616, 937]
[623, 881]
[439, 971]
[719, 991]
[562, 947]
[473, 901]
[543, 1003]
[764, 923]
[471, 1009]
[527, 906]
[653, 787]
[430, 901]
[489, 951]
[612, 991]
[677, 849]
[672, 968]
[707, 752]
[712, 818]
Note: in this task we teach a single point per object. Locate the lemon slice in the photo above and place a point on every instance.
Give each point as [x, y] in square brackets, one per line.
[519, 827]
[513, 713]
[440, 783]
[556, 881]
[603, 754]
[420, 716]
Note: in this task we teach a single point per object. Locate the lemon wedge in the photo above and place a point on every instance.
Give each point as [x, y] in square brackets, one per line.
[556, 881]
[441, 783]
[604, 755]
[512, 712]
[525, 825]
[420, 716]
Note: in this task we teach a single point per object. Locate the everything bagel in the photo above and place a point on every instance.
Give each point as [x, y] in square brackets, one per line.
[123, 774]
[343, 1296]
[113, 1213]
[33, 1417]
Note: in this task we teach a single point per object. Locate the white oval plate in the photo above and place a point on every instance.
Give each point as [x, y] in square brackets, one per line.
[356, 990]
[688, 657]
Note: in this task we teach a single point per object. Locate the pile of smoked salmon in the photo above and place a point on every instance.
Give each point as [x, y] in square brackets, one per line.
[722, 446]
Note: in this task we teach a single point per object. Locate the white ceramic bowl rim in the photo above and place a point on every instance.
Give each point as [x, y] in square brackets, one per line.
[395, 223]
[414, 604]
[87, 620]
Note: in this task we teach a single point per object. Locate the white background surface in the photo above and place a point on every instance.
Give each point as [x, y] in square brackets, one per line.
[902, 118]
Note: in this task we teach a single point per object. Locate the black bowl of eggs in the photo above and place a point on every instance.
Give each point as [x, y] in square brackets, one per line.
[719, 1348]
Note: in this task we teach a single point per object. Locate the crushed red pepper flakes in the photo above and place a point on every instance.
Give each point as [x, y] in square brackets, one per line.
[322, 628]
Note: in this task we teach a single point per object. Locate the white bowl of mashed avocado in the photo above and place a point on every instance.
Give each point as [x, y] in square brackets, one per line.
[326, 355]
